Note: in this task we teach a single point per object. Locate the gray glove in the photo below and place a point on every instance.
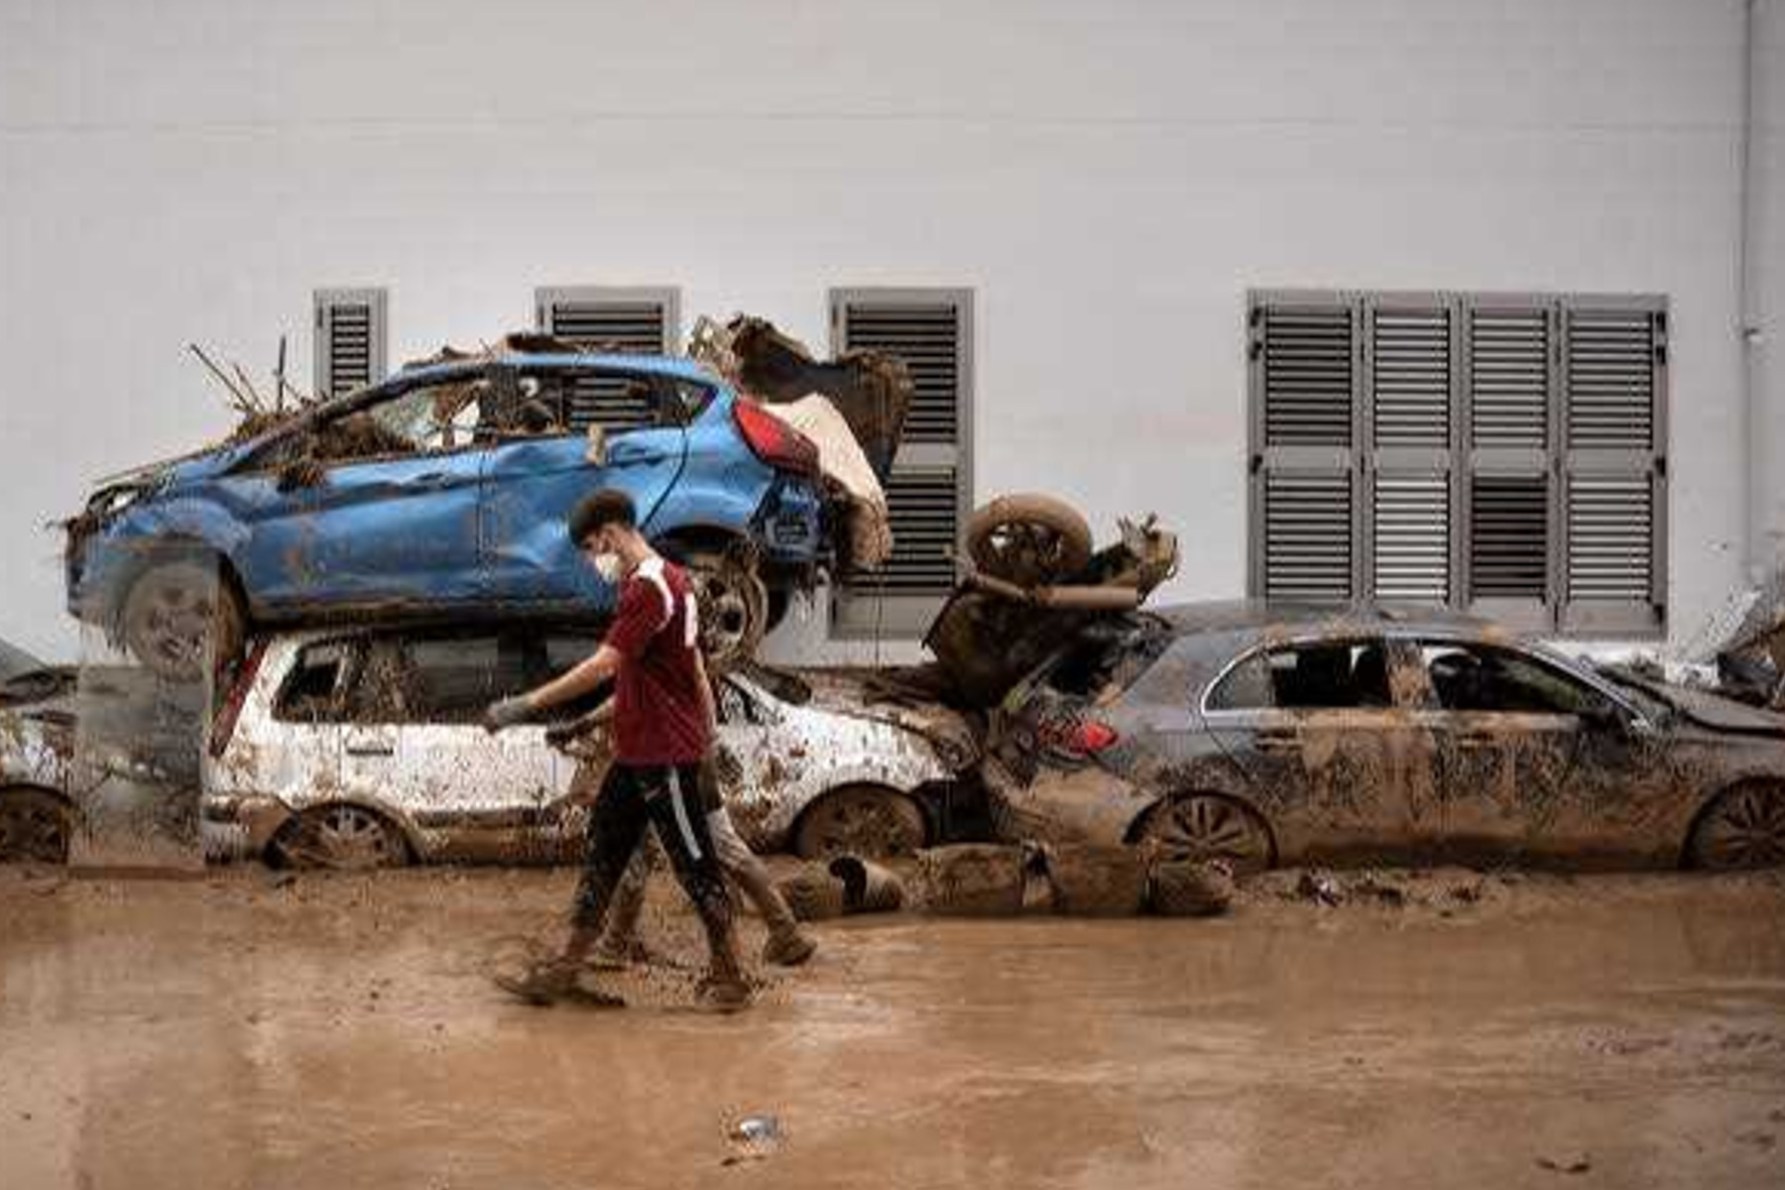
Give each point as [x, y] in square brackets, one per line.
[506, 712]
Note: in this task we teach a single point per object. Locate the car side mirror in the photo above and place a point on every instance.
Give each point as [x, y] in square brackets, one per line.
[596, 451]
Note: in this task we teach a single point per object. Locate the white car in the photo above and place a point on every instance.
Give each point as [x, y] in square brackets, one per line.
[359, 748]
[37, 728]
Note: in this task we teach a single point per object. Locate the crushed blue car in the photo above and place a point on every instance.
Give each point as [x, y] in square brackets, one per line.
[441, 493]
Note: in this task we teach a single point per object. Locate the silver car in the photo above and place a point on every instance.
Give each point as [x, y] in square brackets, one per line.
[365, 748]
[1264, 734]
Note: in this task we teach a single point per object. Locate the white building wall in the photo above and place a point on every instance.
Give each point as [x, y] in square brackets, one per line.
[1109, 177]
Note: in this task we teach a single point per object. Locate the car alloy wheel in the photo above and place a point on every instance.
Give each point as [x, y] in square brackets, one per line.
[345, 837]
[176, 614]
[1202, 826]
[1744, 828]
[860, 820]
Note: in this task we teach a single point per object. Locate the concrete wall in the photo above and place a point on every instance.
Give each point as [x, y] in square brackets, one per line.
[1767, 285]
[1110, 178]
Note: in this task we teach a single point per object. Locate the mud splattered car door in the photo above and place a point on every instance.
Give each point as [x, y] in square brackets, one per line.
[1338, 767]
[418, 745]
[1510, 728]
[390, 512]
[531, 484]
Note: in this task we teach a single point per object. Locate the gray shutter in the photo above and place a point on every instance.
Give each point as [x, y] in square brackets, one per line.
[1303, 368]
[612, 321]
[1509, 513]
[1614, 466]
[1411, 379]
[930, 488]
[350, 341]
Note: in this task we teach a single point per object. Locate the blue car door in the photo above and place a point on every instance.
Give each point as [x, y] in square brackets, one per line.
[530, 486]
[399, 526]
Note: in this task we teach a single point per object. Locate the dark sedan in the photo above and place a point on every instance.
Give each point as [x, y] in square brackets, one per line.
[1266, 735]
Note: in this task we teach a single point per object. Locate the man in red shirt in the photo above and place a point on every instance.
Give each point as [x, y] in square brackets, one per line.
[662, 729]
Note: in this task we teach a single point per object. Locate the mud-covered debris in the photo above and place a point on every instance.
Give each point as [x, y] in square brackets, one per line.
[1318, 886]
[868, 887]
[753, 1138]
[1573, 1164]
[1190, 888]
[813, 894]
[971, 879]
[1091, 880]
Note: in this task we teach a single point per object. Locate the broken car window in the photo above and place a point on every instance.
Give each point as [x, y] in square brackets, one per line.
[1322, 675]
[1476, 677]
[449, 679]
[314, 691]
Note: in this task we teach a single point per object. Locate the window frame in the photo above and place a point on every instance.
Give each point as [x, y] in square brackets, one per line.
[324, 302]
[862, 610]
[1580, 481]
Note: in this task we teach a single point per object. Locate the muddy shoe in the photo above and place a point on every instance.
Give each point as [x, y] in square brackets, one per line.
[788, 949]
[547, 983]
[617, 956]
[722, 995]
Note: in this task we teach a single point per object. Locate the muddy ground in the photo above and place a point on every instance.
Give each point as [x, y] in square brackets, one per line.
[1469, 1030]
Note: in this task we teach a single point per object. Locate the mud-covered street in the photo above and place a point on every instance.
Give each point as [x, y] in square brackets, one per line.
[243, 1029]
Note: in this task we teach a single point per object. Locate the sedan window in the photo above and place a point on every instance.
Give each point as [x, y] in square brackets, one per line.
[1319, 675]
[437, 680]
[1478, 677]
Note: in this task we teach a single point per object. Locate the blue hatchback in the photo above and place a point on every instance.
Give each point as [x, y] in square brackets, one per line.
[443, 492]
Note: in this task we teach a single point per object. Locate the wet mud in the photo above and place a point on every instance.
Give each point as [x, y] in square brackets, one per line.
[247, 1029]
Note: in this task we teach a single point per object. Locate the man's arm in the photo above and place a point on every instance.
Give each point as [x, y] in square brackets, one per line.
[580, 679]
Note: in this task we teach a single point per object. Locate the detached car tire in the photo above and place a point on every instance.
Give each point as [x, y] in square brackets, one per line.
[1028, 539]
[179, 612]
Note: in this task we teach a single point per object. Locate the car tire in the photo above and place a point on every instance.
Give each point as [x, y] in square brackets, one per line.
[1196, 827]
[36, 827]
[342, 837]
[180, 611]
[734, 608]
[870, 821]
[1028, 539]
[1743, 827]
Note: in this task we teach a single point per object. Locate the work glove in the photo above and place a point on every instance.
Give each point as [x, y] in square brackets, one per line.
[506, 712]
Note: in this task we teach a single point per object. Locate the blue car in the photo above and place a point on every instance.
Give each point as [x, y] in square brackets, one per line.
[442, 492]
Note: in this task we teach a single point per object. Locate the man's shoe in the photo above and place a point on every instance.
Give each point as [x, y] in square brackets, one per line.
[722, 995]
[546, 983]
[788, 949]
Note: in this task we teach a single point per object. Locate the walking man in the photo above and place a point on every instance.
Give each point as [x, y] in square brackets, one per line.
[662, 726]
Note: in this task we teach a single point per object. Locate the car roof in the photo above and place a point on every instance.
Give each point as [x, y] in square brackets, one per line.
[1260, 616]
[675, 366]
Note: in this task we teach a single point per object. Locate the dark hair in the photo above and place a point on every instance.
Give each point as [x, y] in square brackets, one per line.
[597, 510]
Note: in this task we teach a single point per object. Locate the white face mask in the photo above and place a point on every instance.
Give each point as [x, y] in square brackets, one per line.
[609, 567]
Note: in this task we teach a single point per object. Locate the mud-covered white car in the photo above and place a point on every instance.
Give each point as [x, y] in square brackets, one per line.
[365, 748]
[37, 727]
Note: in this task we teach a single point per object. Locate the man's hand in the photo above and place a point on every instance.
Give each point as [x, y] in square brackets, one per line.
[507, 712]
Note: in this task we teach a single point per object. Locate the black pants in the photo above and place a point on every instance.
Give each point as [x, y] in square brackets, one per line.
[668, 798]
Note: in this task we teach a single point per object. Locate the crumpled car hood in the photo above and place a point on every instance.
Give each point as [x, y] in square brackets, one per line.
[846, 694]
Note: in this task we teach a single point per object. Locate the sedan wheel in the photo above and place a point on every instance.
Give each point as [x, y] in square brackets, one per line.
[1744, 828]
[35, 828]
[1202, 826]
[345, 837]
[860, 820]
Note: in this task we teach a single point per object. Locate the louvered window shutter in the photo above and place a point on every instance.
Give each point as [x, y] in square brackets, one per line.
[1614, 466]
[929, 489]
[611, 321]
[1508, 512]
[349, 339]
[1411, 380]
[1304, 371]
